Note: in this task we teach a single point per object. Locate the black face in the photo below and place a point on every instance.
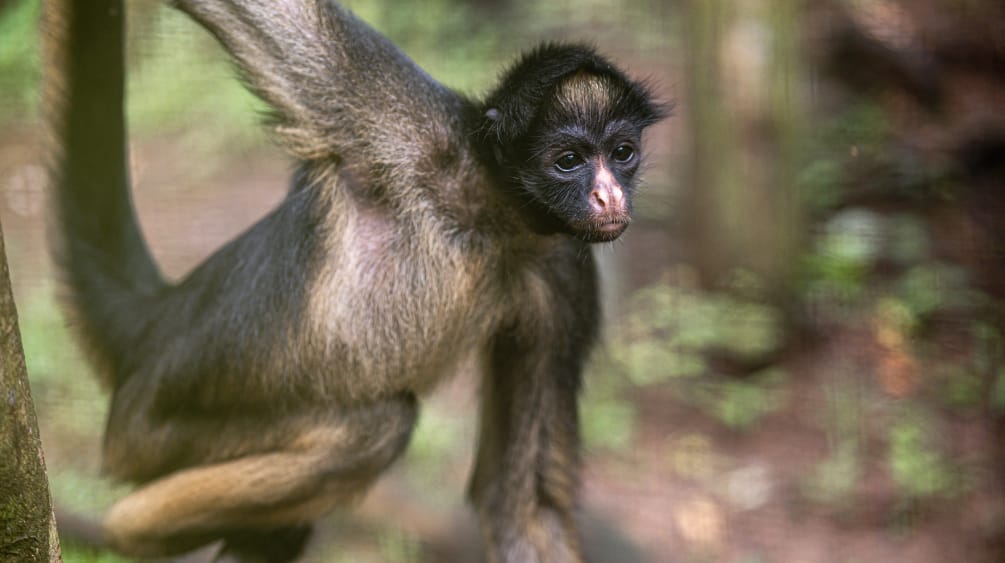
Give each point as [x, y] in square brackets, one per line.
[584, 177]
[564, 128]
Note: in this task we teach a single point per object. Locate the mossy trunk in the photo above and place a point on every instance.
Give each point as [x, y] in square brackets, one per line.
[27, 524]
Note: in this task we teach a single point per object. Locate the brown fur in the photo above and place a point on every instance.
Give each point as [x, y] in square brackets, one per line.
[279, 379]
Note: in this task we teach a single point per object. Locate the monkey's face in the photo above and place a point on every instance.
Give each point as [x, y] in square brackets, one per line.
[584, 152]
[583, 175]
[565, 129]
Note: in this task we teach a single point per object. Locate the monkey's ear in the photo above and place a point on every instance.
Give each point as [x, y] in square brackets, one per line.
[495, 130]
[505, 123]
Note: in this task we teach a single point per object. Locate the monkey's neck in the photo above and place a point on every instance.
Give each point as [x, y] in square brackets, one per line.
[509, 202]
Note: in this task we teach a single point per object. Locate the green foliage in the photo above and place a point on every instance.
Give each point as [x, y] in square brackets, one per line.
[77, 403]
[608, 420]
[437, 439]
[919, 470]
[854, 236]
[839, 145]
[843, 254]
[42, 330]
[834, 479]
[83, 493]
[70, 404]
[934, 286]
[820, 181]
[989, 347]
[739, 404]
[962, 388]
[181, 83]
[74, 554]
[646, 20]
[842, 265]
[19, 60]
[969, 383]
[438, 35]
[896, 314]
[668, 329]
[863, 125]
[397, 546]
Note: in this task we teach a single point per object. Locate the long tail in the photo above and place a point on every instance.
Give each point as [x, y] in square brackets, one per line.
[105, 262]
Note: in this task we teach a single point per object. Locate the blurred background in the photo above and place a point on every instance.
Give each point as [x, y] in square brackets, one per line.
[803, 359]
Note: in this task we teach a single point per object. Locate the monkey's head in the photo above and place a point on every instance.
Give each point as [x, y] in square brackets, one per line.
[564, 128]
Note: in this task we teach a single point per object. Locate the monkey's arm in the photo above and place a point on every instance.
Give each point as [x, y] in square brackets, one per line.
[526, 475]
[339, 90]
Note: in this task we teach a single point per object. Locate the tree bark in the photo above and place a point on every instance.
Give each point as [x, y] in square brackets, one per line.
[27, 524]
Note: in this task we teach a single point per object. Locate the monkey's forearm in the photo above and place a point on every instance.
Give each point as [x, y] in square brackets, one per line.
[285, 52]
[527, 469]
[339, 89]
[527, 503]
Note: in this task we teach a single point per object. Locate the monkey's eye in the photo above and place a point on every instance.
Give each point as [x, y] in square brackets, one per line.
[568, 162]
[624, 153]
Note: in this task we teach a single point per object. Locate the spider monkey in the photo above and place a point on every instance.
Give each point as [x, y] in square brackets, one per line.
[280, 377]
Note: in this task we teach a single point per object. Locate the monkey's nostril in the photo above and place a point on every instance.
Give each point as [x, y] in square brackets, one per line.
[599, 199]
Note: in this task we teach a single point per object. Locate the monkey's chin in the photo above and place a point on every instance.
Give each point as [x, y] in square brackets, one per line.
[601, 232]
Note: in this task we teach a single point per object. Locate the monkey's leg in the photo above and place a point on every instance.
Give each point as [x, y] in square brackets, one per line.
[323, 465]
[526, 473]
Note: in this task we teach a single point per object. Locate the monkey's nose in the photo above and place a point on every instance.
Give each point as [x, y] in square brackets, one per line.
[606, 197]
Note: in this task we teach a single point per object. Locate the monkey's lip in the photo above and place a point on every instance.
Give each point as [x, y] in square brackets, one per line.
[612, 226]
[603, 231]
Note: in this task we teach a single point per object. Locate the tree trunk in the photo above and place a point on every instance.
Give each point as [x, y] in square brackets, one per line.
[27, 524]
[743, 112]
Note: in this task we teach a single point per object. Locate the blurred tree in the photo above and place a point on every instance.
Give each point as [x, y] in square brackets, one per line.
[744, 112]
[29, 527]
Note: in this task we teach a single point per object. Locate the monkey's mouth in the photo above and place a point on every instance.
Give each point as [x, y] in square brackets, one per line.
[603, 230]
